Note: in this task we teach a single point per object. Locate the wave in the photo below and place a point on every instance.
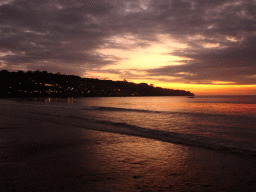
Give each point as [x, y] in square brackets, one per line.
[184, 139]
[73, 120]
[125, 109]
[244, 117]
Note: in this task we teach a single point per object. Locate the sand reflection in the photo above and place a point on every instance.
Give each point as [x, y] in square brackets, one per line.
[128, 163]
[137, 163]
[51, 149]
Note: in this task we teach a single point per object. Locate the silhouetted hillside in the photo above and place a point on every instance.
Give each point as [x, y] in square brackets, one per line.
[44, 84]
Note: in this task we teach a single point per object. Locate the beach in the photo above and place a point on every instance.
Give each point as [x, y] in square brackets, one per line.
[61, 152]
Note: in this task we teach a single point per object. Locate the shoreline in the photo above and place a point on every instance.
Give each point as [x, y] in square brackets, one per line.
[68, 116]
[37, 154]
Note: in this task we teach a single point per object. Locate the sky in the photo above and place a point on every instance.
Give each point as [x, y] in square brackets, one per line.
[203, 46]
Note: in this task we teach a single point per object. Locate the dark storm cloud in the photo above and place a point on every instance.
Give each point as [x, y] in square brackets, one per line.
[63, 35]
[42, 34]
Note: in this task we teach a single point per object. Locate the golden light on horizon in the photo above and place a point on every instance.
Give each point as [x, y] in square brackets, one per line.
[218, 88]
[222, 82]
[203, 89]
[134, 60]
[210, 89]
[156, 42]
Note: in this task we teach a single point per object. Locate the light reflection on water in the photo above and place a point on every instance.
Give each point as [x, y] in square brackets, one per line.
[139, 164]
[217, 105]
[229, 105]
[128, 163]
[229, 118]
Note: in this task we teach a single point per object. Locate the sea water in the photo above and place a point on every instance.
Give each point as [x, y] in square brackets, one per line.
[226, 123]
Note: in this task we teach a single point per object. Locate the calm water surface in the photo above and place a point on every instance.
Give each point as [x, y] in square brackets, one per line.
[226, 120]
[105, 161]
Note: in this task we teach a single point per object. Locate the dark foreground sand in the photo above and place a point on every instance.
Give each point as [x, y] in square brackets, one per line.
[38, 154]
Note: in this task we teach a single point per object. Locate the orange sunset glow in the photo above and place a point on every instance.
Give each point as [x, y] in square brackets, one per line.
[186, 45]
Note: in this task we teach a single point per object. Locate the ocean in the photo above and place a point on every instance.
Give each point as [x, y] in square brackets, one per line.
[226, 123]
[205, 143]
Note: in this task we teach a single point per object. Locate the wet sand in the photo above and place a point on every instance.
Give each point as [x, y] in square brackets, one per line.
[42, 154]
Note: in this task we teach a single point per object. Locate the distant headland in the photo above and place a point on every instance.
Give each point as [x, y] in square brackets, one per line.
[44, 84]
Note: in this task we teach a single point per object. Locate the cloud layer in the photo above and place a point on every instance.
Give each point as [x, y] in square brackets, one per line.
[64, 36]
